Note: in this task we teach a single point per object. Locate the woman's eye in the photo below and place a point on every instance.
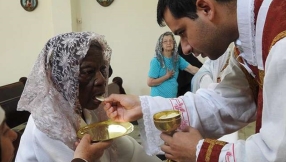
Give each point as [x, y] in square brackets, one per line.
[88, 71]
[103, 71]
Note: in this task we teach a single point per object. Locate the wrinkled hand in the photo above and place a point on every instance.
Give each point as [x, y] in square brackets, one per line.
[170, 73]
[181, 147]
[123, 108]
[90, 151]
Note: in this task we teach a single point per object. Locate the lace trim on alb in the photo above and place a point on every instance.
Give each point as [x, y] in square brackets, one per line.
[154, 143]
[246, 28]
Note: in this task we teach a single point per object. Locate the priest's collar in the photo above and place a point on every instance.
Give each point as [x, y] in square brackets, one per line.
[246, 28]
[249, 42]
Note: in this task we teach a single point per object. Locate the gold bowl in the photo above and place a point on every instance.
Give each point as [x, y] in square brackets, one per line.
[167, 121]
[106, 130]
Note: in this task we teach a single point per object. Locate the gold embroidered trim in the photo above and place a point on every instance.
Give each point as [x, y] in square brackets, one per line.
[212, 144]
[278, 37]
[261, 78]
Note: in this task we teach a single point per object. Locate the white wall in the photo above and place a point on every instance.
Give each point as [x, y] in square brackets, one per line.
[22, 37]
[23, 34]
[61, 16]
[131, 30]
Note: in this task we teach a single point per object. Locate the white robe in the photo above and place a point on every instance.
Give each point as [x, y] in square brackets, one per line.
[235, 106]
[207, 109]
[270, 143]
[208, 74]
[207, 77]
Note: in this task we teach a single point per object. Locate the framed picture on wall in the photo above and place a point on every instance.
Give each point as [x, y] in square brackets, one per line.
[29, 5]
[105, 3]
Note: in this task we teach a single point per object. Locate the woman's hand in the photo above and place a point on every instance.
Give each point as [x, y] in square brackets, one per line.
[170, 73]
[90, 151]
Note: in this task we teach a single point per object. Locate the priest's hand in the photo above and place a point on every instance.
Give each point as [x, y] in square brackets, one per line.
[181, 147]
[123, 108]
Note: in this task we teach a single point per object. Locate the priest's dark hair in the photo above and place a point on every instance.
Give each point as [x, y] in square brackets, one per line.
[179, 9]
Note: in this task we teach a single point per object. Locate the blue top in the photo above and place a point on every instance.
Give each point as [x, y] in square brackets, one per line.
[169, 87]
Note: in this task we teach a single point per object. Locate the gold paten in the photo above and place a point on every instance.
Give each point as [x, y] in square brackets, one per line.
[106, 130]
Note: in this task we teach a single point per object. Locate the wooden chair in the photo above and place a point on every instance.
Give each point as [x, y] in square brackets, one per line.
[9, 97]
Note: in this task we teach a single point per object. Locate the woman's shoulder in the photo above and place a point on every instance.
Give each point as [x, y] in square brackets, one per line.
[154, 61]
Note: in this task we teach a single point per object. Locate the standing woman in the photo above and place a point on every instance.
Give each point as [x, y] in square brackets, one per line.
[164, 67]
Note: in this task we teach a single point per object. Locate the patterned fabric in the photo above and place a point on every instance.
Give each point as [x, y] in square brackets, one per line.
[179, 104]
[210, 150]
[168, 88]
[159, 51]
[52, 89]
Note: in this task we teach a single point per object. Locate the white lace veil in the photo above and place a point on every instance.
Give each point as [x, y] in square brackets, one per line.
[159, 50]
[52, 89]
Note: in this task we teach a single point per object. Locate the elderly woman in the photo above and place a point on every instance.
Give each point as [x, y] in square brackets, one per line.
[60, 93]
[164, 67]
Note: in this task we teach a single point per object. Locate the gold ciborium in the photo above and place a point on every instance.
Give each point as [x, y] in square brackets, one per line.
[167, 122]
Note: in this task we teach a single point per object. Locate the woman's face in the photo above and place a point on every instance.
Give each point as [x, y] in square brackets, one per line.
[92, 79]
[7, 137]
[168, 43]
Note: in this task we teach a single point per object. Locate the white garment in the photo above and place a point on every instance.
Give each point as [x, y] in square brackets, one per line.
[207, 77]
[36, 146]
[205, 110]
[270, 143]
[210, 71]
